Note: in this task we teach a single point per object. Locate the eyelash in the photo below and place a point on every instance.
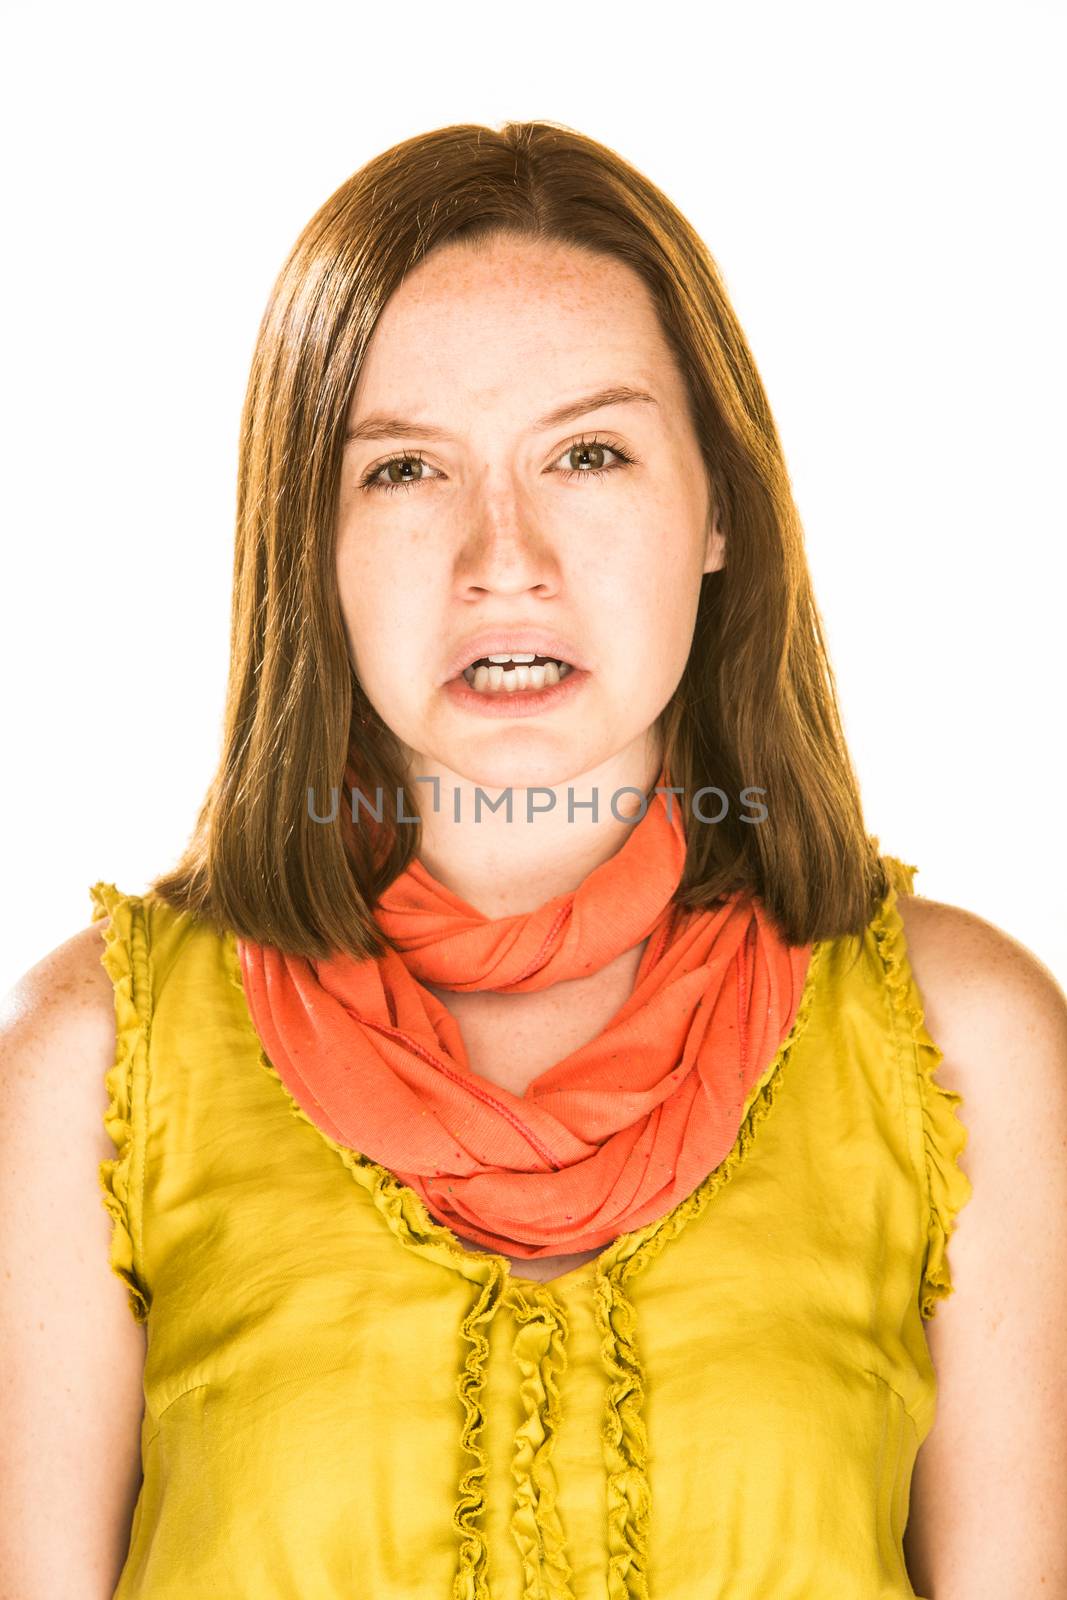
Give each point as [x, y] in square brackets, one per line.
[367, 481]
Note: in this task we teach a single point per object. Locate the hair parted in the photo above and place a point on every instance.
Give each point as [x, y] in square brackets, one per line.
[757, 702]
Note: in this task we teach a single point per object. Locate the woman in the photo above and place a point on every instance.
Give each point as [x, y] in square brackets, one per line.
[547, 1197]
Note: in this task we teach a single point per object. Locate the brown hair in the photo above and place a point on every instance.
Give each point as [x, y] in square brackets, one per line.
[756, 704]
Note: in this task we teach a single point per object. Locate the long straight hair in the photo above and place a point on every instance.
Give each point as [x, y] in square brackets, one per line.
[756, 705]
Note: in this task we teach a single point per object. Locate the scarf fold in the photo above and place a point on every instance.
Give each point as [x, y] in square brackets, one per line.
[608, 1139]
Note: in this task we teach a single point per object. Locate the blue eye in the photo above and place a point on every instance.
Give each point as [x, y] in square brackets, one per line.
[594, 446]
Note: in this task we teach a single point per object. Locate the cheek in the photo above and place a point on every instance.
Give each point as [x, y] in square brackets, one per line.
[390, 631]
[650, 583]
[363, 610]
[655, 619]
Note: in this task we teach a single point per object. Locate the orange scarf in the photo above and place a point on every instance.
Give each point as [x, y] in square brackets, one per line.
[607, 1140]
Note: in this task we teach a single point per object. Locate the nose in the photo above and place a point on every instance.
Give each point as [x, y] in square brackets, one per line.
[506, 549]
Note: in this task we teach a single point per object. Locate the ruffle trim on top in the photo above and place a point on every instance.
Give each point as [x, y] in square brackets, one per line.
[623, 1430]
[540, 1353]
[410, 1222]
[125, 959]
[540, 1350]
[472, 1577]
[948, 1187]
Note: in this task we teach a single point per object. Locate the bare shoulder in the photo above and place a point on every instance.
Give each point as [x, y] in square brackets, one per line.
[66, 990]
[997, 1453]
[70, 1470]
[57, 1039]
[981, 989]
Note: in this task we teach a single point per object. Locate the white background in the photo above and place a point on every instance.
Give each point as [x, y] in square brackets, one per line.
[881, 187]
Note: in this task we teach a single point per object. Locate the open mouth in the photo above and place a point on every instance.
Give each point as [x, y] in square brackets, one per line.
[509, 674]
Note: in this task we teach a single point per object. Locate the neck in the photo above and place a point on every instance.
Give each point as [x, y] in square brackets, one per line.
[504, 868]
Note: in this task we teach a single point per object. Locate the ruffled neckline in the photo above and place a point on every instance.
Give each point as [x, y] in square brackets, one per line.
[411, 1222]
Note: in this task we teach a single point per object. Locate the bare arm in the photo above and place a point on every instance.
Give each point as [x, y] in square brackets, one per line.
[987, 1507]
[71, 1397]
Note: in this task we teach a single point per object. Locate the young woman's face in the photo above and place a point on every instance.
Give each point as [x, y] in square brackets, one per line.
[583, 538]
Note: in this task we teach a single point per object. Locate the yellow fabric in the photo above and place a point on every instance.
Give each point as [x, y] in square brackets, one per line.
[341, 1400]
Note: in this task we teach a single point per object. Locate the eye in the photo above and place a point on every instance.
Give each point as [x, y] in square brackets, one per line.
[595, 448]
[370, 478]
[588, 448]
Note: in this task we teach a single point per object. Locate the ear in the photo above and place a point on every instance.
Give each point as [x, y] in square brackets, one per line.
[715, 549]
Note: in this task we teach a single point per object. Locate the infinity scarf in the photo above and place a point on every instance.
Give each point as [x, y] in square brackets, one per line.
[608, 1139]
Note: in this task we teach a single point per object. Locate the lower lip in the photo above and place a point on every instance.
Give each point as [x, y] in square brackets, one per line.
[516, 702]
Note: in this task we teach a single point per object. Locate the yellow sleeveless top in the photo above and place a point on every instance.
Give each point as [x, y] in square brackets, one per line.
[341, 1400]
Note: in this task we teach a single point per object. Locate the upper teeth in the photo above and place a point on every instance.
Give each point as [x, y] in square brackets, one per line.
[519, 660]
[524, 674]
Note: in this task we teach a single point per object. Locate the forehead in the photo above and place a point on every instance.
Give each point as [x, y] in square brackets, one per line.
[516, 268]
[514, 320]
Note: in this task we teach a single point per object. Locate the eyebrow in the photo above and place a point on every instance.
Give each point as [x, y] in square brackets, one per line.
[380, 426]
